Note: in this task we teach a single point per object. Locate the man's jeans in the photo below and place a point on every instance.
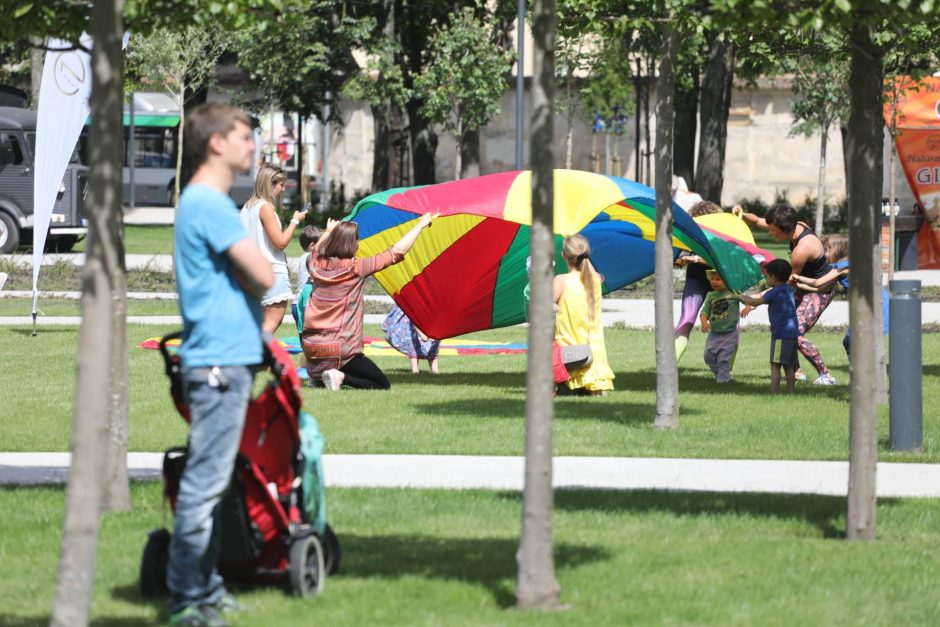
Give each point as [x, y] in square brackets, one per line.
[217, 404]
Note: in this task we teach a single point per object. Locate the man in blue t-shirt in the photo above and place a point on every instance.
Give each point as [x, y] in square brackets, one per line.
[784, 327]
[220, 275]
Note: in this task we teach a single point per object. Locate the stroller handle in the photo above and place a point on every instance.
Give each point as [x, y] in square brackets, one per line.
[267, 357]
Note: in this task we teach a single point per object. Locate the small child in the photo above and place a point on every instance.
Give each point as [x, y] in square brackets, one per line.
[719, 319]
[836, 247]
[784, 328]
[309, 237]
[408, 340]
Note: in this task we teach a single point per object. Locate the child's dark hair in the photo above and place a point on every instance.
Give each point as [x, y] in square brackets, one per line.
[310, 235]
[780, 269]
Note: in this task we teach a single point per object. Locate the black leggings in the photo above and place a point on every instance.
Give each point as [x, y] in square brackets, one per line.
[362, 373]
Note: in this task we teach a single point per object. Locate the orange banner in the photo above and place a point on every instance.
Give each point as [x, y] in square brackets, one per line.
[916, 105]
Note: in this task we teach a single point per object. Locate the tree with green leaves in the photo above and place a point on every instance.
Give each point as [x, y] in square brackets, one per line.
[176, 62]
[465, 76]
[820, 86]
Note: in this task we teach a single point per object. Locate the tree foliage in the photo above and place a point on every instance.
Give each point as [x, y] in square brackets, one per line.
[465, 76]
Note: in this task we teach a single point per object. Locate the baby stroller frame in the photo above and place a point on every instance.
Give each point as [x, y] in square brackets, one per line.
[274, 513]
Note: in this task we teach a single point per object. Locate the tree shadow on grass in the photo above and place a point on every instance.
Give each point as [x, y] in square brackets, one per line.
[826, 513]
[43, 330]
[566, 408]
[490, 562]
[930, 370]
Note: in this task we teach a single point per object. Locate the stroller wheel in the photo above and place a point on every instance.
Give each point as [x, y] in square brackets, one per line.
[331, 551]
[306, 566]
[153, 564]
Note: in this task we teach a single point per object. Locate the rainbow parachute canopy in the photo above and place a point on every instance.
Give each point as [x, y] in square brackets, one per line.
[468, 271]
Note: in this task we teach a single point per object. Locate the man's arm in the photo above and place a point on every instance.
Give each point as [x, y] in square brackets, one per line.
[252, 269]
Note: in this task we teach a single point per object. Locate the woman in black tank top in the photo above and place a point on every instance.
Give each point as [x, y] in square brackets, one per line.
[818, 266]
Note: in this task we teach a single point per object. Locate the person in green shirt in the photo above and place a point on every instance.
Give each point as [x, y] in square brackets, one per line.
[719, 317]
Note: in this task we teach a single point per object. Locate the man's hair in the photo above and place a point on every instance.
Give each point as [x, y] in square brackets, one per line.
[310, 235]
[703, 208]
[210, 119]
[780, 269]
[782, 216]
[343, 241]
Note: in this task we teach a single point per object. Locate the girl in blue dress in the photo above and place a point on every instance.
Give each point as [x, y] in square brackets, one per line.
[404, 336]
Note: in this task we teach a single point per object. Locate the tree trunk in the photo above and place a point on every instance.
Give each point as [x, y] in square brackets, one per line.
[117, 495]
[715, 104]
[423, 146]
[536, 585]
[382, 151]
[470, 154]
[37, 57]
[92, 400]
[821, 186]
[683, 142]
[179, 155]
[667, 372]
[458, 138]
[865, 146]
[648, 153]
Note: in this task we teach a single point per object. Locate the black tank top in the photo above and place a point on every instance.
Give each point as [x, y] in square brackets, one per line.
[819, 266]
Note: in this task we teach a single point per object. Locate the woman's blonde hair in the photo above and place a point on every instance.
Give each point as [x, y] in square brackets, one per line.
[268, 176]
[836, 246]
[577, 253]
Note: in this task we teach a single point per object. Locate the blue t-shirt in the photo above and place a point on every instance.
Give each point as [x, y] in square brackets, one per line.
[781, 310]
[221, 322]
[844, 282]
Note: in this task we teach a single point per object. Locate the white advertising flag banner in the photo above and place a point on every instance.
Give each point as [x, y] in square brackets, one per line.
[63, 109]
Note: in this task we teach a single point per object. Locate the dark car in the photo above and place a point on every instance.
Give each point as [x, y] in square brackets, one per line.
[17, 150]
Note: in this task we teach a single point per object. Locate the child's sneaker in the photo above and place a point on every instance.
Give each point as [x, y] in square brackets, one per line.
[193, 616]
[825, 379]
[799, 376]
[332, 379]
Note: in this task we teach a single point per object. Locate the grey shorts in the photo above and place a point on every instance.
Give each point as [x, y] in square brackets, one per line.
[784, 352]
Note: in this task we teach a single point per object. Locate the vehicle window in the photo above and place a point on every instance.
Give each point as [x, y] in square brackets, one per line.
[75, 158]
[154, 148]
[10, 151]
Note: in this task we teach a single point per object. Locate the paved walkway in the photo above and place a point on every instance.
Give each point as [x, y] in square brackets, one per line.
[506, 473]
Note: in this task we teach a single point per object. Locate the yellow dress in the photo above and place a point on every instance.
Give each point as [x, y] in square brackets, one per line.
[573, 326]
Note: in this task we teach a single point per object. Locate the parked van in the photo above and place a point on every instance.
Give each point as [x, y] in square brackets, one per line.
[17, 152]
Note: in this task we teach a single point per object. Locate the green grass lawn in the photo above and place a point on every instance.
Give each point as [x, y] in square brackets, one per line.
[143, 240]
[433, 557]
[72, 307]
[476, 406]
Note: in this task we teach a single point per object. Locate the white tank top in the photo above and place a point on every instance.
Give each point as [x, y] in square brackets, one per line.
[251, 219]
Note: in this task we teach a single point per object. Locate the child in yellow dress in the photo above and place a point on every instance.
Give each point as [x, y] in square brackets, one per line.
[577, 295]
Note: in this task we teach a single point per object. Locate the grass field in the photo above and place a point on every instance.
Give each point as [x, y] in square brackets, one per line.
[476, 406]
[433, 557]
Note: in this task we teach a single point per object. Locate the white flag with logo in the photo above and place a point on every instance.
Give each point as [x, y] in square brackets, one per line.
[63, 109]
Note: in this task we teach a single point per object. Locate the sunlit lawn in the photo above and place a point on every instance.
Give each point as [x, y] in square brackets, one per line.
[476, 406]
[432, 557]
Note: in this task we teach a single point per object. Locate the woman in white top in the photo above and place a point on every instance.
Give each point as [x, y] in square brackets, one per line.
[264, 228]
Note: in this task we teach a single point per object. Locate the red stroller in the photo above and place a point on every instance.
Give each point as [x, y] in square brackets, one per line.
[274, 513]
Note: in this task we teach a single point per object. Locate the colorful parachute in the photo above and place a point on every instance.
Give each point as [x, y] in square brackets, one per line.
[467, 271]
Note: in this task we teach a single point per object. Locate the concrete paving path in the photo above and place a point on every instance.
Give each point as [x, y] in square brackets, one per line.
[506, 473]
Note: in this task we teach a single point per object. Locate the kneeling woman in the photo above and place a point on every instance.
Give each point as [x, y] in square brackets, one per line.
[332, 334]
[578, 318]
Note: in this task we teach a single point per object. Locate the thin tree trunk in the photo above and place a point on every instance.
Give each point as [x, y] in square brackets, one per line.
[648, 153]
[458, 137]
[667, 372]
[865, 146]
[821, 186]
[382, 152]
[117, 495]
[179, 154]
[89, 432]
[536, 585]
[715, 104]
